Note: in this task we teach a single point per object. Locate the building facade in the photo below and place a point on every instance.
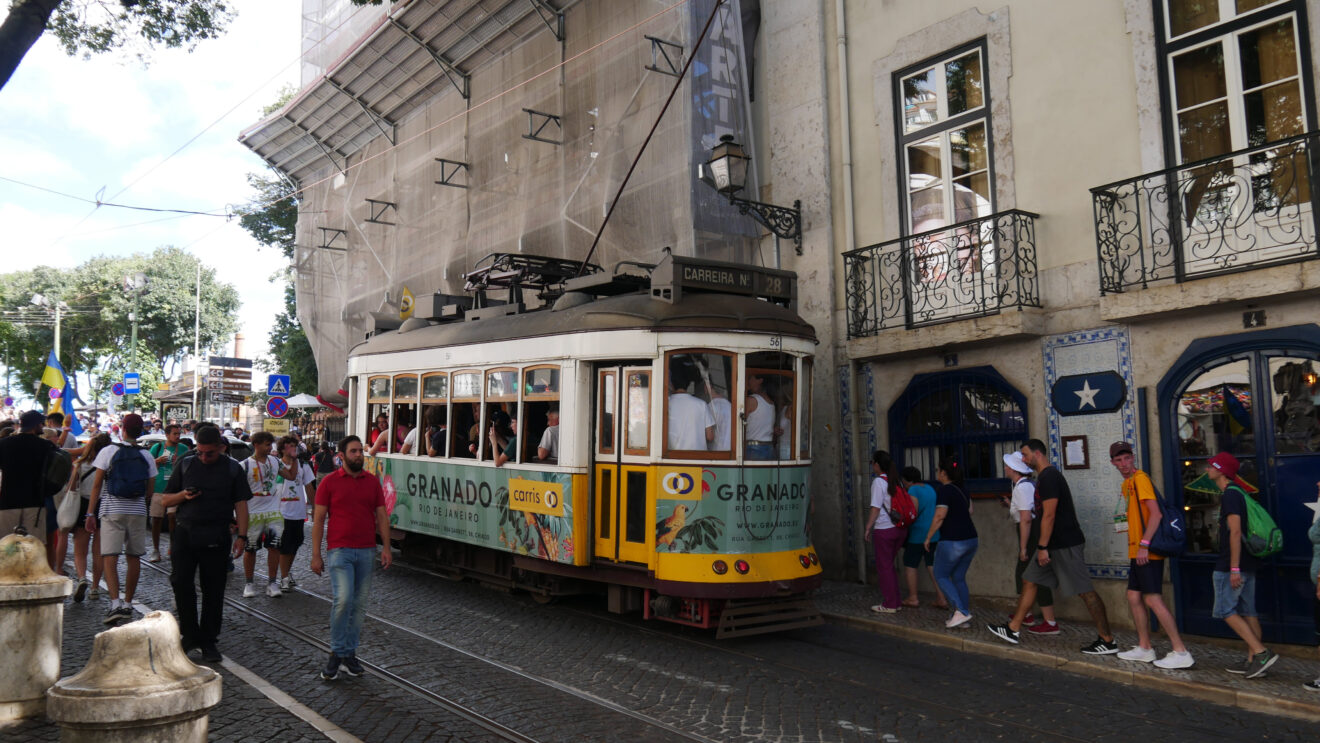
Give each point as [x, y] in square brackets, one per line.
[1085, 223]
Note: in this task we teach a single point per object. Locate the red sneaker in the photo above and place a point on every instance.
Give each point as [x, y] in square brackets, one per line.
[1044, 628]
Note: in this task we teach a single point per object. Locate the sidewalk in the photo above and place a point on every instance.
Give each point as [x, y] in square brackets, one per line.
[1279, 692]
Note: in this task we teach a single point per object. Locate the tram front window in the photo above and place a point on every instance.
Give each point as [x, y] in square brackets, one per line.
[770, 408]
[699, 413]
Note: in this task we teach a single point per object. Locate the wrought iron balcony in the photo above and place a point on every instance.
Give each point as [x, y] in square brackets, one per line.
[1245, 210]
[970, 269]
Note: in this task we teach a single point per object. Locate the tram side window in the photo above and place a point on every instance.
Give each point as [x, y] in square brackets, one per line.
[804, 425]
[378, 409]
[405, 415]
[499, 441]
[465, 414]
[540, 416]
[434, 440]
[699, 412]
[770, 406]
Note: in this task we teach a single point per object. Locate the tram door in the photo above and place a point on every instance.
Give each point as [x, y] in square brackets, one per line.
[620, 448]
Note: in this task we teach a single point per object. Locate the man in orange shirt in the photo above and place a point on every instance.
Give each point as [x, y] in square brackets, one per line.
[1146, 571]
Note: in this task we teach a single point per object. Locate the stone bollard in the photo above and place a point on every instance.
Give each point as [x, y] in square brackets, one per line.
[31, 626]
[138, 686]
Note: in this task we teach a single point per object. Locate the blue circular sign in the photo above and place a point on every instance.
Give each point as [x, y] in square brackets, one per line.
[277, 407]
[117, 389]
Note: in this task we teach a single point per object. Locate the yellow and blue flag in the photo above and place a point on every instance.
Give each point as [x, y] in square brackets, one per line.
[55, 377]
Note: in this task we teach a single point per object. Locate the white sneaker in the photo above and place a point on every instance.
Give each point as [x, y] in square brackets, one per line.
[249, 590]
[1139, 654]
[155, 556]
[958, 619]
[293, 582]
[286, 584]
[273, 590]
[1175, 660]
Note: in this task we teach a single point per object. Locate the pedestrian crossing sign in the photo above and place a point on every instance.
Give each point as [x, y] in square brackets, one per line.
[277, 385]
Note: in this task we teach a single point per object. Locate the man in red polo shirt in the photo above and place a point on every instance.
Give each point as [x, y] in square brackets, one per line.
[355, 503]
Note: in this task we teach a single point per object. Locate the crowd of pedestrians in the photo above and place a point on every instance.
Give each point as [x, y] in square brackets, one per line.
[1050, 545]
[216, 509]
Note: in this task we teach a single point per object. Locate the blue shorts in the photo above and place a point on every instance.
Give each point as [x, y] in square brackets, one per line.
[1230, 600]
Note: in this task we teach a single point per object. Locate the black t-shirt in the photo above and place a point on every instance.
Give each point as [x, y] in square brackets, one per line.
[1232, 502]
[23, 463]
[222, 484]
[957, 522]
[1051, 485]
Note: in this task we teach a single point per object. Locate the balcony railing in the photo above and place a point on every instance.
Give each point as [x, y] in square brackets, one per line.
[1248, 209]
[970, 269]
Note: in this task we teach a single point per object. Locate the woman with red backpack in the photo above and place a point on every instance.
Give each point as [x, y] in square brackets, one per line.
[881, 531]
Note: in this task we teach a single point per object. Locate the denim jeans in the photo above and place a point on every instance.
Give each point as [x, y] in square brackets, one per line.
[350, 577]
[952, 559]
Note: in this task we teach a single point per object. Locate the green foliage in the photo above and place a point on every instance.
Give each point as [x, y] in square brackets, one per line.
[291, 353]
[704, 531]
[142, 362]
[272, 215]
[92, 27]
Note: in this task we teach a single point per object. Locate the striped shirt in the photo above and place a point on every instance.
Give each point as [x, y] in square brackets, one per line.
[109, 504]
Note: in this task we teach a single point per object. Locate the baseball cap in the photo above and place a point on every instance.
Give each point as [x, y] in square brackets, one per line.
[32, 419]
[1014, 462]
[1119, 447]
[1229, 466]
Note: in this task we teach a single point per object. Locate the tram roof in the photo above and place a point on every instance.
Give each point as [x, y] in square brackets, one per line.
[696, 312]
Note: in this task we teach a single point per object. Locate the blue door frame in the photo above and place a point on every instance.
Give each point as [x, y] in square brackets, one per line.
[1284, 594]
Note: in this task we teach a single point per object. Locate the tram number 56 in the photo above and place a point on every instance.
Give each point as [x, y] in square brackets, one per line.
[776, 341]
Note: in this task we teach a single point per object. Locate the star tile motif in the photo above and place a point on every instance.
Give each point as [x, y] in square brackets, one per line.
[1086, 395]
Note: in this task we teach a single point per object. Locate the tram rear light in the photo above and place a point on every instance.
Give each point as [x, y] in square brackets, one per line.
[720, 567]
[814, 560]
[742, 567]
[806, 561]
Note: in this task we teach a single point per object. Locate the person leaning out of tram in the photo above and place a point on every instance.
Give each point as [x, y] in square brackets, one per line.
[503, 441]
[760, 420]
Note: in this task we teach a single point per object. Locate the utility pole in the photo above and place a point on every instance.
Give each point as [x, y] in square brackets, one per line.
[197, 338]
[134, 283]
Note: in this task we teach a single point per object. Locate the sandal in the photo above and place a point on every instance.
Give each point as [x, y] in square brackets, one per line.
[911, 603]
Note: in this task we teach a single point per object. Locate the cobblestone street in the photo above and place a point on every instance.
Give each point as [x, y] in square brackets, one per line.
[571, 671]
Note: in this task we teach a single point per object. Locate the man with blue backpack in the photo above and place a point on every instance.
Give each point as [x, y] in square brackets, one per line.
[1145, 588]
[121, 489]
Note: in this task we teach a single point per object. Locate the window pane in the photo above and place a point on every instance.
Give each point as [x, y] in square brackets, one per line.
[639, 412]
[435, 387]
[967, 151]
[971, 197]
[963, 82]
[1199, 75]
[405, 389]
[919, 105]
[1244, 6]
[502, 384]
[1203, 132]
[924, 164]
[701, 383]
[1274, 113]
[989, 410]
[1214, 413]
[378, 388]
[1294, 392]
[541, 382]
[605, 430]
[1269, 53]
[927, 209]
[804, 425]
[1189, 15]
[467, 385]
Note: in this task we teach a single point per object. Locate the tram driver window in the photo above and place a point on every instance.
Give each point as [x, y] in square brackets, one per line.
[770, 408]
[540, 414]
[699, 413]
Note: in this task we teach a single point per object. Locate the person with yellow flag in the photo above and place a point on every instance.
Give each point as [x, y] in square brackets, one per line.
[55, 378]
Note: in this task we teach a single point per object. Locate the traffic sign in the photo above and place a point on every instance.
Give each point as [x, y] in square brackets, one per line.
[223, 373]
[277, 385]
[132, 383]
[276, 426]
[117, 389]
[229, 361]
[277, 407]
[229, 385]
[228, 398]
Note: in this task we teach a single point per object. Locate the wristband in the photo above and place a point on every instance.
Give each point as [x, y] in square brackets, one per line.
[1236, 570]
[1145, 543]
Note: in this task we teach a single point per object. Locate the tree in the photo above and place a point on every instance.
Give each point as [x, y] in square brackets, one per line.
[142, 362]
[96, 26]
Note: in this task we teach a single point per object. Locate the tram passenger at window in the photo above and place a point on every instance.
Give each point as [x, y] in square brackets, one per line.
[691, 426]
[722, 411]
[503, 441]
[760, 420]
[784, 419]
[437, 432]
[382, 427]
[548, 449]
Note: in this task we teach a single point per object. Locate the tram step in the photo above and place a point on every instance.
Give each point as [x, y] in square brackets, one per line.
[742, 617]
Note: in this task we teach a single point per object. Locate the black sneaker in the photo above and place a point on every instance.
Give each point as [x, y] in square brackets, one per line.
[188, 644]
[1241, 669]
[331, 671]
[210, 653]
[125, 611]
[80, 592]
[1101, 647]
[1260, 662]
[1312, 685]
[113, 616]
[352, 667]
[1005, 633]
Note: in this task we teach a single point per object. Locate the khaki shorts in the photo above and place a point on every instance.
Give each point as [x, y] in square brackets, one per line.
[122, 532]
[32, 519]
[158, 509]
[1067, 573]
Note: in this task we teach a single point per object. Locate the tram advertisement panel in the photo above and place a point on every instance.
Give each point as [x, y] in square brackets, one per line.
[731, 509]
[472, 505]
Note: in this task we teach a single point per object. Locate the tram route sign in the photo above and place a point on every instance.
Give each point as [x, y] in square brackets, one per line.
[675, 275]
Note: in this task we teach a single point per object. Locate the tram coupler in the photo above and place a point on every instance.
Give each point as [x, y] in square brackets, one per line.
[701, 613]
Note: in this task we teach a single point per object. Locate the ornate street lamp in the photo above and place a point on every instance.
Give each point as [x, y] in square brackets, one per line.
[728, 175]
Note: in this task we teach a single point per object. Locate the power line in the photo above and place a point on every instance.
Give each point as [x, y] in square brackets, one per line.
[100, 203]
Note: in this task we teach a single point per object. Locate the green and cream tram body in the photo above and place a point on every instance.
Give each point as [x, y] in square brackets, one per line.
[704, 532]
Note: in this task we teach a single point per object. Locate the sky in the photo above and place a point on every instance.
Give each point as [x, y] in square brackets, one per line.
[79, 126]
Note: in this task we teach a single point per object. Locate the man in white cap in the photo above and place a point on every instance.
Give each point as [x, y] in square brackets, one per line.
[1023, 509]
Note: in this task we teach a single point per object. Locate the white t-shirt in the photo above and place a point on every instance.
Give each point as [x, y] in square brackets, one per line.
[880, 500]
[108, 503]
[1024, 499]
[786, 438]
[688, 420]
[550, 442]
[722, 410]
[761, 422]
[293, 493]
[410, 441]
[261, 481]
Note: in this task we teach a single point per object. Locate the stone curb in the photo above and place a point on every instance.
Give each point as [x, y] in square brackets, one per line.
[1206, 691]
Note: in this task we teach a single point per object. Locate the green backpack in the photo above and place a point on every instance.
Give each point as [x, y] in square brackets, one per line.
[1260, 535]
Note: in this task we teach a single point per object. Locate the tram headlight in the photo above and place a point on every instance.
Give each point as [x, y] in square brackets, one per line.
[720, 567]
[742, 567]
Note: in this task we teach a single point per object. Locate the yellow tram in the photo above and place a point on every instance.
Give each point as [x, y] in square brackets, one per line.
[646, 430]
